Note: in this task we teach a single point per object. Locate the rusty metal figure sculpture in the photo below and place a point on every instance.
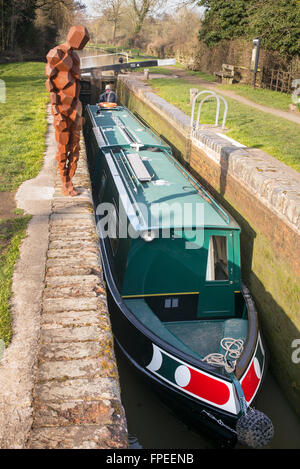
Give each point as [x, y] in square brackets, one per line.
[63, 84]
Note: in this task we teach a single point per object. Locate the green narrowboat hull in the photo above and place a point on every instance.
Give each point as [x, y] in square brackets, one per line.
[175, 294]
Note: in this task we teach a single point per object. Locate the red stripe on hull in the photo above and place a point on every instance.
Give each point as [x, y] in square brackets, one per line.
[250, 383]
[208, 388]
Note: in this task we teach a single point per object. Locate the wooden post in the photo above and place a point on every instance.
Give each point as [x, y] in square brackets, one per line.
[146, 73]
[289, 83]
[272, 77]
[277, 81]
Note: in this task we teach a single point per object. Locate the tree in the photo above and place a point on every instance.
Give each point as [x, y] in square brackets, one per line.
[277, 22]
[175, 34]
[224, 20]
[140, 10]
[18, 20]
[60, 15]
[112, 11]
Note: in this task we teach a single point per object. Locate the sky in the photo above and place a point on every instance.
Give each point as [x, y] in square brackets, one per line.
[89, 3]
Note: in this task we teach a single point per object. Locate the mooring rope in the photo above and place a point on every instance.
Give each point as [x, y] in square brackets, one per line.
[233, 349]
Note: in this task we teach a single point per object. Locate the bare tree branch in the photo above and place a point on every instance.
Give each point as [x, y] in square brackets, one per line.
[113, 11]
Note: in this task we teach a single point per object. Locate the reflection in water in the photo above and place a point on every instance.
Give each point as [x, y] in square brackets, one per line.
[133, 442]
[151, 425]
[287, 426]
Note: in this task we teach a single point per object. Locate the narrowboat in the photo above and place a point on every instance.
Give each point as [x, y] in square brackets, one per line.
[171, 259]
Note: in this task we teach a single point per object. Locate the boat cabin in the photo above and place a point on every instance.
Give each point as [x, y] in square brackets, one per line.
[174, 252]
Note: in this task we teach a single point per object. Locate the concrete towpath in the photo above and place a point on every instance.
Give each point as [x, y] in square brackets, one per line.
[180, 73]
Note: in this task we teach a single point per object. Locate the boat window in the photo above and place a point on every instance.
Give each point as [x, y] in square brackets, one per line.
[171, 303]
[217, 262]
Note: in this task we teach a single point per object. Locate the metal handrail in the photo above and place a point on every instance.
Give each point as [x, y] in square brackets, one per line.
[225, 111]
[194, 104]
[200, 107]
[212, 94]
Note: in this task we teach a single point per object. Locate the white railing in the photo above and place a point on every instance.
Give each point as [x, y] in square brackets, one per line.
[210, 94]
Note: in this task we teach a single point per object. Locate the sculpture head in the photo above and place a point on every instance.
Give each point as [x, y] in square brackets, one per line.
[78, 37]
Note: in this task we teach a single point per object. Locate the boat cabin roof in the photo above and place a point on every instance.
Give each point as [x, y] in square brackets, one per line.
[166, 194]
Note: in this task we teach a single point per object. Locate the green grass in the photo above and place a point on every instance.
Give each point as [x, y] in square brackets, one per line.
[162, 71]
[12, 231]
[273, 135]
[171, 70]
[22, 123]
[202, 75]
[156, 70]
[265, 97]
[23, 127]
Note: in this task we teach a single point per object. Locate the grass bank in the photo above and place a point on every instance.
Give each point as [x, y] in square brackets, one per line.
[273, 135]
[22, 123]
[23, 127]
[265, 97]
[171, 70]
[12, 231]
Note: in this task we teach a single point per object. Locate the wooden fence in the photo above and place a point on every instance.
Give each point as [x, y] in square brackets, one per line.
[279, 80]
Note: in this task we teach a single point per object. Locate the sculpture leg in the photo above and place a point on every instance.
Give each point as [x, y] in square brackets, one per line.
[74, 148]
[62, 158]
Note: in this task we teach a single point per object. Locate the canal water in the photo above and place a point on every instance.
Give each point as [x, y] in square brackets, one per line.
[151, 425]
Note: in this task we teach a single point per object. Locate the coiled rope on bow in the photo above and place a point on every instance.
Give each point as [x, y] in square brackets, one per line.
[233, 349]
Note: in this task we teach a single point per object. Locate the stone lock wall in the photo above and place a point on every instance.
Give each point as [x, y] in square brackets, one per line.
[76, 396]
[263, 195]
